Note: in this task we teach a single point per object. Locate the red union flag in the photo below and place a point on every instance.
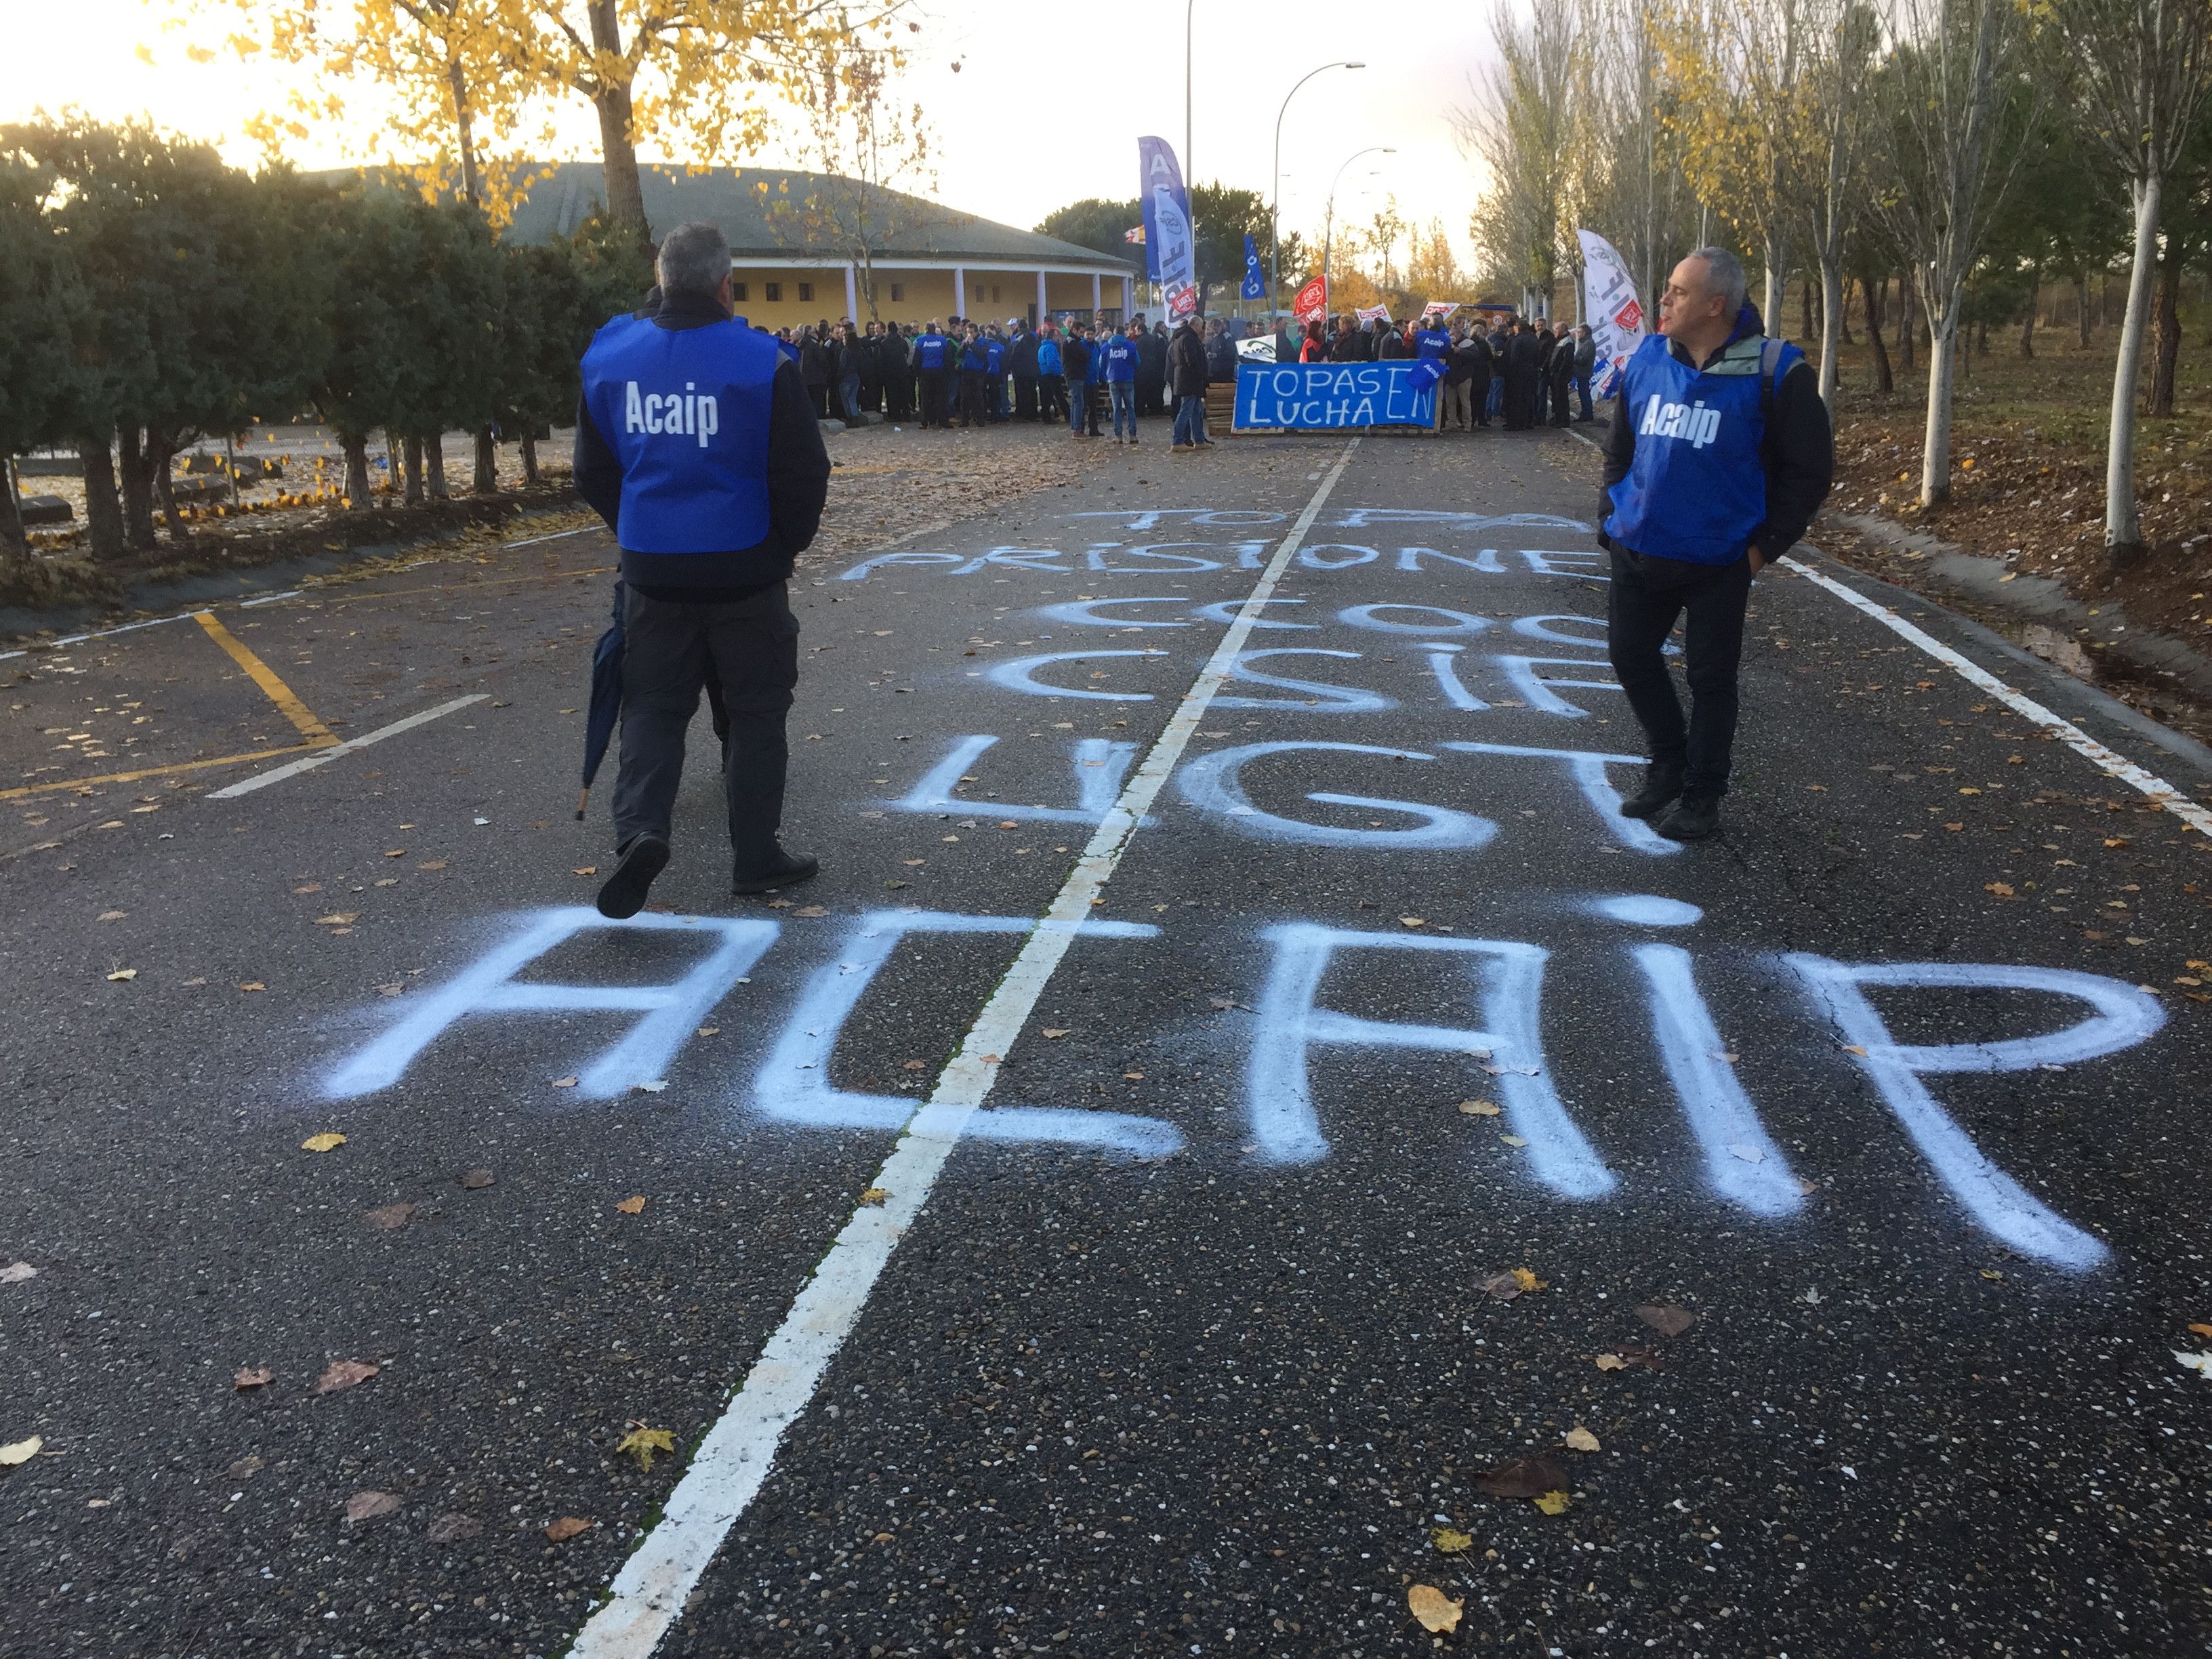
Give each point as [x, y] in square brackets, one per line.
[1629, 319]
[1312, 302]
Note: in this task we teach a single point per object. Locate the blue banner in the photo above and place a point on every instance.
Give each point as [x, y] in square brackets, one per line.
[1256, 284]
[1168, 259]
[1311, 396]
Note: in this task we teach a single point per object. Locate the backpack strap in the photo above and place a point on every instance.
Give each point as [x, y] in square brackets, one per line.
[1770, 359]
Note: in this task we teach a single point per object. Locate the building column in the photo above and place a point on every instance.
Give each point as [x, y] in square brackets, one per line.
[960, 290]
[852, 294]
[1128, 298]
[1094, 298]
[1044, 310]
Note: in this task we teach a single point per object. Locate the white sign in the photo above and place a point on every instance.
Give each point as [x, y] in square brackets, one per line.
[1616, 317]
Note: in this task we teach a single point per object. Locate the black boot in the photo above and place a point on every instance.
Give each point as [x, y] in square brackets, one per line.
[1693, 817]
[622, 896]
[1662, 781]
[782, 870]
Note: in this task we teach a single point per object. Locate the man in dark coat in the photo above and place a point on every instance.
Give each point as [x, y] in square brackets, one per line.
[1188, 363]
[1562, 375]
[1521, 377]
[1152, 368]
[894, 364]
[1473, 356]
[1541, 408]
[1022, 364]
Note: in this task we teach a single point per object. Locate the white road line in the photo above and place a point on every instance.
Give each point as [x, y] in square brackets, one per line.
[533, 541]
[325, 756]
[2074, 737]
[734, 1460]
[1579, 439]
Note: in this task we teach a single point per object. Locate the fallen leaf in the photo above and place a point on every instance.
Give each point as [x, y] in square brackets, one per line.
[21, 1451]
[1480, 1108]
[311, 887]
[1514, 1141]
[709, 1030]
[1132, 1077]
[632, 1205]
[1854, 1049]
[1057, 1031]
[432, 864]
[1666, 1318]
[564, 1082]
[123, 973]
[247, 1466]
[1581, 1439]
[477, 1180]
[642, 1443]
[566, 1527]
[1553, 1503]
[587, 870]
[1524, 1477]
[369, 1506]
[1412, 921]
[1528, 1281]
[2195, 1330]
[1437, 1613]
[913, 1065]
[343, 1374]
[391, 1218]
[2199, 1363]
[329, 1141]
[451, 1529]
[1450, 1542]
[1611, 1362]
[397, 852]
[1991, 1274]
[252, 1377]
[874, 1195]
[16, 1272]
[1502, 1285]
[337, 919]
[391, 989]
[113, 915]
[1954, 827]
[810, 910]
[2002, 889]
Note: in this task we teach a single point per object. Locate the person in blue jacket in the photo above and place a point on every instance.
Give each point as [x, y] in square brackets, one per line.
[994, 372]
[1121, 380]
[1051, 390]
[696, 442]
[1720, 454]
[933, 365]
[975, 364]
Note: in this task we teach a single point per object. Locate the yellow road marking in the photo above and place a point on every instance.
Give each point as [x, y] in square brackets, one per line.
[318, 736]
[157, 771]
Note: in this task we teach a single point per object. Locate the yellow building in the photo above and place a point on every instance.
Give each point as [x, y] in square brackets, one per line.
[795, 239]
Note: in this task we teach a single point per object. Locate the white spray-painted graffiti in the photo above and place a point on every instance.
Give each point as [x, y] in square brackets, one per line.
[1501, 980]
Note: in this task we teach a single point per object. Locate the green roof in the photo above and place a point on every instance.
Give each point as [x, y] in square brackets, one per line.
[565, 195]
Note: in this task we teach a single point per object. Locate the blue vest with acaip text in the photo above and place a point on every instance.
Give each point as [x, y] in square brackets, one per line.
[686, 413]
[1696, 489]
[929, 351]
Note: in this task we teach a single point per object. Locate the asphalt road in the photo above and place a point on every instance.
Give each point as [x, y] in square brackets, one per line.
[1864, 1290]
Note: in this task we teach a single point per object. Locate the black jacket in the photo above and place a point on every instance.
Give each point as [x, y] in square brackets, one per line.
[798, 487]
[1187, 361]
[1022, 355]
[1798, 453]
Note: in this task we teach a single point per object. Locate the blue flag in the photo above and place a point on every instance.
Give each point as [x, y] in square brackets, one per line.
[1168, 253]
[1255, 285]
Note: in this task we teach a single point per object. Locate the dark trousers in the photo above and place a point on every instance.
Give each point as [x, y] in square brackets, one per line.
[1646, 597]
[1025, 397]
[1093, 394]
[751, 647]
[932, 397]
[1052, 398]
[817, 393]
[1520, 401]
[899, 398]
[975, 392]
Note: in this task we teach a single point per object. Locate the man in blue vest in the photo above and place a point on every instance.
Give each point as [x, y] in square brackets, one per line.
[1720, 454]
[934, 358]
[696, 442]
[1120, 351]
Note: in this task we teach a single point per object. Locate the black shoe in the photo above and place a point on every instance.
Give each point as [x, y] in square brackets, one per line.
[1693, 817]
[784, 870]
[1662, 781]
[622, 896]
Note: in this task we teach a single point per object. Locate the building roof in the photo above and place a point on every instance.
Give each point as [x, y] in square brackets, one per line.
[563, 197]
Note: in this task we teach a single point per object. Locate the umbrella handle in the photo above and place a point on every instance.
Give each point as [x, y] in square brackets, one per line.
[583, 795]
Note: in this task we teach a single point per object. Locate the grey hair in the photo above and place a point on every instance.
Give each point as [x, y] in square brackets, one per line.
[1724, 275]
[694, 258]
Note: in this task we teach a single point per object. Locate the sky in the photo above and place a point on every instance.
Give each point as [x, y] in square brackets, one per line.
[1001, 126]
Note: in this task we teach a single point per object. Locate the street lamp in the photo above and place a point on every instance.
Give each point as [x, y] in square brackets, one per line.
[1275, 199]
[1328, 223]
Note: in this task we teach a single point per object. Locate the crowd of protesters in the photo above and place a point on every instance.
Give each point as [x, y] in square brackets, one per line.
[1515, 371]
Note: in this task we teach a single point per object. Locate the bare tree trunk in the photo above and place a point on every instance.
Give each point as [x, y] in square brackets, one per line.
[1843, 335]
[1805, 309]
[14, 541]
[2027, 324]
[103, 517]
[137, 490]
[1935, 445]
[464, 133]
[410, 450]
[1982, 336]
[1905, 341]
[161, 451]
[529, 456]
[625, 194]
[487, 479]
[433, 465]
[2124, 544]
[1832, 321]
[2165, 351]
[2081, 306]
[356, 445]
[1883, 380]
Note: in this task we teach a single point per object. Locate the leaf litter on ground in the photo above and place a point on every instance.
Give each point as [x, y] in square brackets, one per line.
[642, 1443]
[371, 1505]
[1437, 1613]
[1666, 1318]
[343, 1374]
[1523, 1477]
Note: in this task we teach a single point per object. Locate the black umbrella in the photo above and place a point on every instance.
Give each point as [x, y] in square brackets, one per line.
[606, 700]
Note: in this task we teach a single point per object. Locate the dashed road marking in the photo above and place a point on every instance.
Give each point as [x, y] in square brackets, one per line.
[323, 756]
[263, 675]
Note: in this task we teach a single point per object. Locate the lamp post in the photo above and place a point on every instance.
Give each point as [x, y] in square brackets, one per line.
[1328, 223]
[1189, 178]
[1275, 196]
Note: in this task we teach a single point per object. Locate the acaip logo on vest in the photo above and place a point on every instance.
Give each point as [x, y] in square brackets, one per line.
[1661, 419]
[687, 414]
